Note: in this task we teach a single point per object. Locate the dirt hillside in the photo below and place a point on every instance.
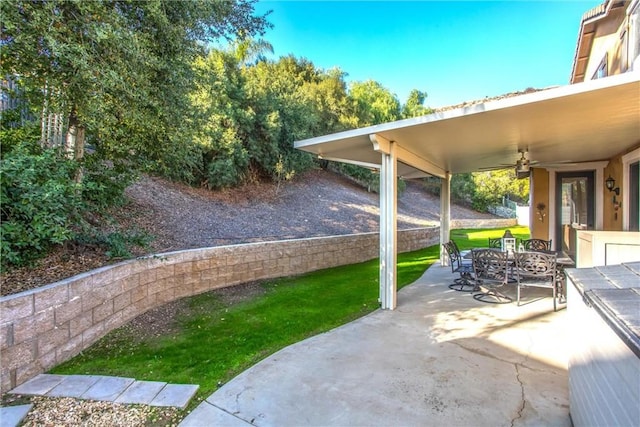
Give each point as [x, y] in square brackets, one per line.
[318, 203]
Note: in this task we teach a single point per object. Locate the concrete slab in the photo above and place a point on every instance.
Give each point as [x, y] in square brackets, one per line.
[441, 358]
[38, 385]
[209, 415]
[177, 395]
[12, 416]
[141, 392]
[107, 388]
[73, 386]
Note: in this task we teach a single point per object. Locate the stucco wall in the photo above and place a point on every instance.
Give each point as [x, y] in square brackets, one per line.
[43, 327]
[540, 194]
[612, 212]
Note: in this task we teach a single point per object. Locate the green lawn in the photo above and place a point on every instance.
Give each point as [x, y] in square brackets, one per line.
[468, 238]
[216, 341]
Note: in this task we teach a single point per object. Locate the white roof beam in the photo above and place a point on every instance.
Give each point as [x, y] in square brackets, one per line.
[352, 162]
[382, 145]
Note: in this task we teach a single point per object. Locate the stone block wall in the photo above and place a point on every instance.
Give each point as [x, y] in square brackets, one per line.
[43, 327]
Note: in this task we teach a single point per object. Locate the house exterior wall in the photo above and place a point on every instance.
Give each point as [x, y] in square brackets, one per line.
[612, 212]
[615, 31]
[610, 35]
[607, 45]
[539, 194]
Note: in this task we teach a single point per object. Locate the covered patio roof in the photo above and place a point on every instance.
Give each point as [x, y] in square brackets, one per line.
[569, 124]
[583, 122]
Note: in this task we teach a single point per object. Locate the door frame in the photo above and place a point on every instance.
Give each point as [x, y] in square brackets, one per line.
[598, 168]
[627, 160]
[590, 176]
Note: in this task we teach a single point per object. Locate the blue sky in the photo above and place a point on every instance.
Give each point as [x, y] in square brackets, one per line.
[456, 51]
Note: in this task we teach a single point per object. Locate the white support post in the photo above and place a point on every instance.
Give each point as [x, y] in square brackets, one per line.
[388, 228]
[445, 216]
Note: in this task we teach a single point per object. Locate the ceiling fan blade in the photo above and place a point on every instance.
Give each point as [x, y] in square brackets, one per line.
[495, 168]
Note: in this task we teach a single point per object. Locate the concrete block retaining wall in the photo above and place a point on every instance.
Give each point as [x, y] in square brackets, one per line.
[43, 327]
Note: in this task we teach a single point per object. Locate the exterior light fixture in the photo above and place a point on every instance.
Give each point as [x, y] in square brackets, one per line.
[540, 207]
[611, 183]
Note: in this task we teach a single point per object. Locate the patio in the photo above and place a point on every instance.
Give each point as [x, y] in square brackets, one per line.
[440, 358]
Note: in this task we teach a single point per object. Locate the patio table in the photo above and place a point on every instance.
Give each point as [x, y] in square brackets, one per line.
[563, 260]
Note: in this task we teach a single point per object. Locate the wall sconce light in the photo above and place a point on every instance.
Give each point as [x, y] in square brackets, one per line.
[540, 207]
[611, 183]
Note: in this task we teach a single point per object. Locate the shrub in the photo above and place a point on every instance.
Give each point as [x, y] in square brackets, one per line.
[40, 202]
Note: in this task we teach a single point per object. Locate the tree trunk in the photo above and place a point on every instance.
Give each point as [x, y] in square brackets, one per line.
[74, 142]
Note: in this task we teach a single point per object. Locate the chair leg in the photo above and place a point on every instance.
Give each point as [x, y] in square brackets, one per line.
[465, 283]
[492, 296]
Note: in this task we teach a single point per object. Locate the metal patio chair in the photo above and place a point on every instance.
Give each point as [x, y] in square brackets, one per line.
[490, 268]
[465, 282]
[536, 269]
[536, 245]
[495, 243]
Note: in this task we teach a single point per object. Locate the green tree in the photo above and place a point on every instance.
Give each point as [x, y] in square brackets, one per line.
[121, 74]
[373, 103]
[414, 106]
[120, 71]
[491, 186]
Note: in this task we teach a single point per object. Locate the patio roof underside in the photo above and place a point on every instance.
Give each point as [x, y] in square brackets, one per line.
[571, 124]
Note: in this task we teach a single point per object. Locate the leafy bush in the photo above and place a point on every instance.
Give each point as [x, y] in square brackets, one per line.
[42, 205]
[104, 182]
[12, 132]
[118, 244]
[40, 202]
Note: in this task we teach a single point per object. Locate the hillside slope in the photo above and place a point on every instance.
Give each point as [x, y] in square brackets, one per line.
[318, 203]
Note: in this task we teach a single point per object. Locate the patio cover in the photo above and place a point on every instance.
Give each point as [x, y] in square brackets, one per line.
[583, 122]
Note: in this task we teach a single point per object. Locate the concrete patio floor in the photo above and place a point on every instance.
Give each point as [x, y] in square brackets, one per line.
[441, 359]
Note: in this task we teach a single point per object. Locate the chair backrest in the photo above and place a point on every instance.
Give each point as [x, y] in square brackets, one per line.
[455, 246]
[536, 245]
[535, 265]
[454, 257]
[495, 243]
[490, 264]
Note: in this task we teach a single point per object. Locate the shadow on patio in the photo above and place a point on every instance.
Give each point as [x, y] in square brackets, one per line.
[441, 358]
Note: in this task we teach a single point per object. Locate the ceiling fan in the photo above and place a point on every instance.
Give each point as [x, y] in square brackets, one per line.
[522, 165]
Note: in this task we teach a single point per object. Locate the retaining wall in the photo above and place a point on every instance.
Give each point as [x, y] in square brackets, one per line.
[43, 327]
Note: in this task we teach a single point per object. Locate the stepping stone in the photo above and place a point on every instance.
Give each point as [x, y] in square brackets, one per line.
[12, 416]
[107, 388]
[142, 392]
[39, 385]
[73, 386]
[177, 395]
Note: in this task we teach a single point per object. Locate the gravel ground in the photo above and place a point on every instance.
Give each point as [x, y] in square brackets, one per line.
[72, 412]
[320, 203]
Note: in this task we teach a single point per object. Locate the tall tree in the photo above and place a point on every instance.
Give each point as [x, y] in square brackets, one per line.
[373, 103]
[119, 70]
[414, 106]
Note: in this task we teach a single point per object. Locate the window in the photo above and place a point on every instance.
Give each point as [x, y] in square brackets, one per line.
[633, 42]
[602, 70]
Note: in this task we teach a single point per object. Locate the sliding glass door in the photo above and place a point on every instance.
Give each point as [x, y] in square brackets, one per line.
[575, 208]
